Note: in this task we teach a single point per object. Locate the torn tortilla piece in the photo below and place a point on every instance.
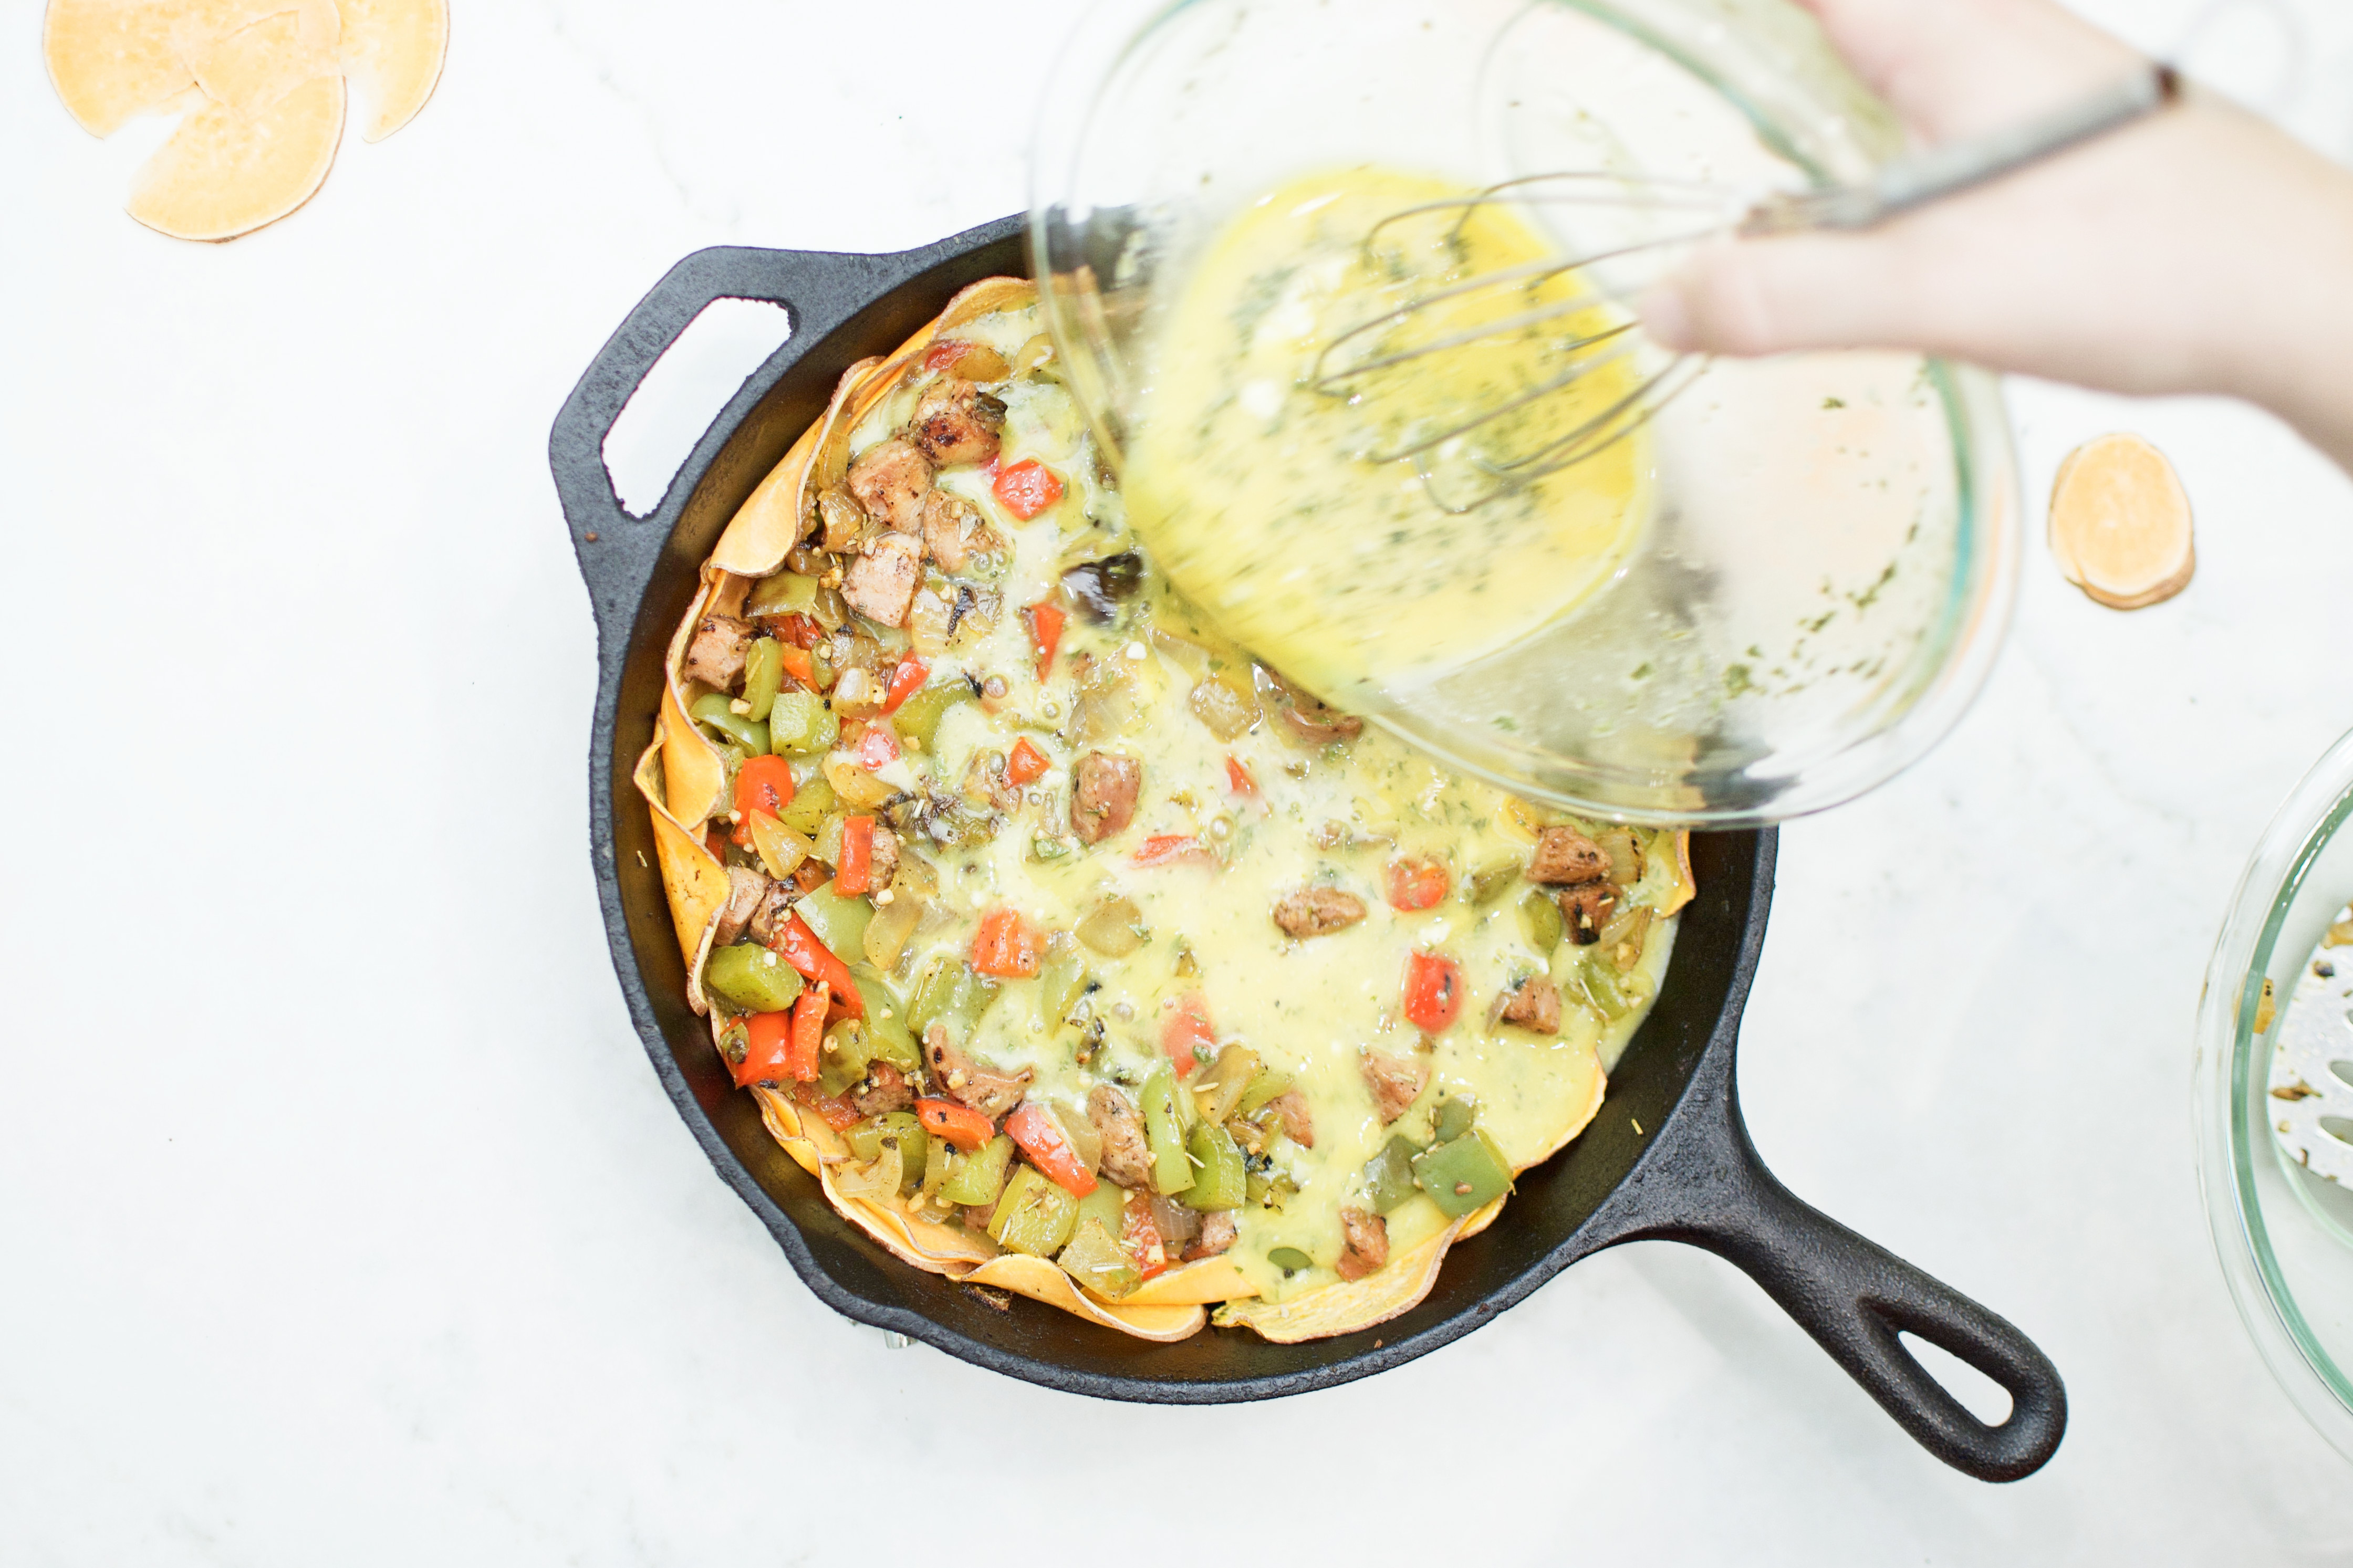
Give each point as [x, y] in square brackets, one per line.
[224, 174]
[394, 51]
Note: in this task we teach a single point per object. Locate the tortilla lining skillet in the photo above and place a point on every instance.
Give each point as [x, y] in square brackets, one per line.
[1690, 1175]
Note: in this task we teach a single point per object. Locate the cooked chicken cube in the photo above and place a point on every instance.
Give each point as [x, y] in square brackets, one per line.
[885, 1089]
[1586, 908]
[1365, 1243]
[1298, 1119]
[1318, 911]
[715, 655]
[1533, 1004]
[891, 481]
[955, 531]
[1218, 1233]
[1396, 1082]
[745, 888]
[881, 584]
[1126, 1157]
[1565, 857]
[966, 1082]
[776, 901]
[957, 423]
[1103, 791]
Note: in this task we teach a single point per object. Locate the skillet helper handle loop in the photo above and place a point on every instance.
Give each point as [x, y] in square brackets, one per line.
[1855, 1296]
[615, 551]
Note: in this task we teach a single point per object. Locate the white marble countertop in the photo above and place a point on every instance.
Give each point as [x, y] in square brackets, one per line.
[343, 1220]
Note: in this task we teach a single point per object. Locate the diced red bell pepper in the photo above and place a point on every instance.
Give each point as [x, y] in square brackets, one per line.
[1187, 1033]
[767, 1049]
[1139, 1236]
[808, 1032]
[905, 681]
[1027, 764]
[878, 747]
[838, 1113]
[801, 668]
[1417, 884]
[855, 874]
[761, 783]
[960, 1124]
[1433, 992]
[795, 628]
[1027, 487]
[715, 839]
[1006, 945]
[1173, 849]
[1046, 631]
[1049, 1148]
[1238, 777]
[801, 949]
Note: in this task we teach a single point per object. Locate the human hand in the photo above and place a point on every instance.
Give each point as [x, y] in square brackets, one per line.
[2198, 250]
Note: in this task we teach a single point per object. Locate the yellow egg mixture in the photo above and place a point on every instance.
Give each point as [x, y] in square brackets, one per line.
[1264, 496]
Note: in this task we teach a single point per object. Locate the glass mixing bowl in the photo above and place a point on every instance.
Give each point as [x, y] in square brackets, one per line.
[2284, 1236]
[1821, 582]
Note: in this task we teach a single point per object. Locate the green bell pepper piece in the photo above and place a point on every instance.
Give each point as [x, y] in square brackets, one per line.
[786, 592]
[1490, 882]
[752, 979]
[1163, 1131]
[887, 1036]
[1389, 1175]
[813, 800]
[1220, 1181]
[837, 921]
[763, 677]
[1290, 1259]
[1106, 1205]
[979, 1173]
[1607, 988]
[1263, 1090]
[1059, 985]
[949, 993]
[1035, 1216]
[919, 715]
[801, 725]
[849, 1047]
[715, 709]
[1455, 1114]
[1540, 917]
[865, 1140]
[1462, 1175]
[1095, 1259]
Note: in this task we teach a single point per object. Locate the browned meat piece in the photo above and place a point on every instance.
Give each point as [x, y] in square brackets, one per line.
[966, 1082]
[1533, 1004]
[891, 482]
[1126, 1157]
[1395, 1081]
[1318, 911]
[883, 860]
[715, 655]
[1104, 788]
[745, 888]
[957, 423]
[953, 532]
[1586, 908]
[775, 902]
[1298, 1120]
[881, 584]
[1307, 715]
[885, 1089]
[1565, 857]
[1218, 1233]
[1364, 1243]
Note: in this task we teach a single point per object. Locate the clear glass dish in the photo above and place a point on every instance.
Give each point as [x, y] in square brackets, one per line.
[1827, 567]
[2284, 1235]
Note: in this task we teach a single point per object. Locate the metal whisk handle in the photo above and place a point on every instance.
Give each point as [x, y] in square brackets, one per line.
[1941, 172]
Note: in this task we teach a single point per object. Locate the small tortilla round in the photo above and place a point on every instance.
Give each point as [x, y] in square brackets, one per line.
[394, 50]
[253, 67]
[110, 60]
[2120, 524]
[223, 174]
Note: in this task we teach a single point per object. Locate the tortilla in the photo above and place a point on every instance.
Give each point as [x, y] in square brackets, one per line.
[393, 51]
[224, 174]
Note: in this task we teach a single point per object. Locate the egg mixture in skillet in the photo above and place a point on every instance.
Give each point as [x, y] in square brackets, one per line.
[1076, 954]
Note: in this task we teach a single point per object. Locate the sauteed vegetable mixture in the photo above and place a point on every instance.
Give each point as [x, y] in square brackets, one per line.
[1076, 952]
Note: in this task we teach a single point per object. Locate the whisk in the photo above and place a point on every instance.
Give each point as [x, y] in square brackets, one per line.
[1899, 187]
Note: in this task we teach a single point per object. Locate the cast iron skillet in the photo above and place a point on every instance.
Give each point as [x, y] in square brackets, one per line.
[1688, 1174]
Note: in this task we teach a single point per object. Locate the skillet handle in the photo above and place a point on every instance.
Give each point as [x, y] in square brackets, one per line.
[616, 552]
[1703, 1183]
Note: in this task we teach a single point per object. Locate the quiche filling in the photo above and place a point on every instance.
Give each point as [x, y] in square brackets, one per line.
[1074, 951]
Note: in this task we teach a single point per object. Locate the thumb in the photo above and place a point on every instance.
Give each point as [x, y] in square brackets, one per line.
[1770, 296]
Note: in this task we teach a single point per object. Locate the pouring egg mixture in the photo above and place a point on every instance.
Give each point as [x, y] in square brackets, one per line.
[1262, 473]
[1074, 953]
